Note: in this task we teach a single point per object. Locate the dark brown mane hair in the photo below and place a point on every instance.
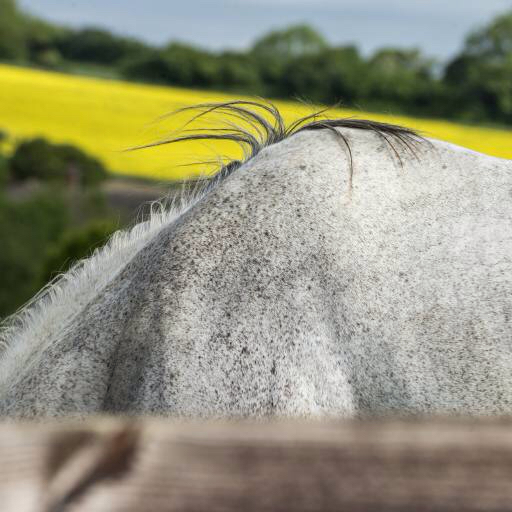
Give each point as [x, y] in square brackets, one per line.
[263, 125]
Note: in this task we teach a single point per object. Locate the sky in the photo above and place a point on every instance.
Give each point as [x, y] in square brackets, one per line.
[438, 27]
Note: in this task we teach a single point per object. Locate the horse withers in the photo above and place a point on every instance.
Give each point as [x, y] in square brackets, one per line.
[344, 269]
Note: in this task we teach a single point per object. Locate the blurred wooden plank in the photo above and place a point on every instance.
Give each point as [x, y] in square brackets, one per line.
[114, 465]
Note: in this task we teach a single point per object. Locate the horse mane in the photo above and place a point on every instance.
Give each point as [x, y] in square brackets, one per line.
[254, 125]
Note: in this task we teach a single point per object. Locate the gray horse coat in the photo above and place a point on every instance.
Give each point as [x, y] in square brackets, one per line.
[286, 290]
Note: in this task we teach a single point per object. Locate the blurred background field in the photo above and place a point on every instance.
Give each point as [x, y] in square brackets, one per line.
[104, 117]
[74, 97]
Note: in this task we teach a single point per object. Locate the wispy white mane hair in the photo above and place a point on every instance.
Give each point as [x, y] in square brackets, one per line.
[282, 287]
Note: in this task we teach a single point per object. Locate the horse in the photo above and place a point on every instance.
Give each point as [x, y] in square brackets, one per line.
[343, 268]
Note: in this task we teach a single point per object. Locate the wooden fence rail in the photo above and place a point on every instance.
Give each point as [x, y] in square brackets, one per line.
[155, 465]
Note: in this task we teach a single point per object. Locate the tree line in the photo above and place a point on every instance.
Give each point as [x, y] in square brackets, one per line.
[297, 62]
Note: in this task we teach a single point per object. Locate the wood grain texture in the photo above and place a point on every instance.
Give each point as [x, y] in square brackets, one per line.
[128, 465]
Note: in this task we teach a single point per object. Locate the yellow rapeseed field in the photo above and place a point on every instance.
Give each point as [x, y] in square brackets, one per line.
[104, 117]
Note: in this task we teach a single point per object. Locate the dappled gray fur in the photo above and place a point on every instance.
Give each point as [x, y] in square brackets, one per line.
[313, 281]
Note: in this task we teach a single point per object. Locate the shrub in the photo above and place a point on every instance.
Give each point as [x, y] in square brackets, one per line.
[40, 159]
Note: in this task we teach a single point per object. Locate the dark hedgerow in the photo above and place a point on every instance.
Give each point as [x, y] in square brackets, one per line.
[61, 163]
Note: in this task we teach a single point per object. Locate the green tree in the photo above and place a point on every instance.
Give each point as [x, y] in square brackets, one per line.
[493, 42]
[36, 159]
[41, 38]
[292, 42]
[480, 78]
[99, 46]
[273, 53]
[88, 170]
[333, 75]
[12, 32]
[150, 68]
[176, 64]
[401, 78]
[40, 159]
[190, 66]
[237, 72]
